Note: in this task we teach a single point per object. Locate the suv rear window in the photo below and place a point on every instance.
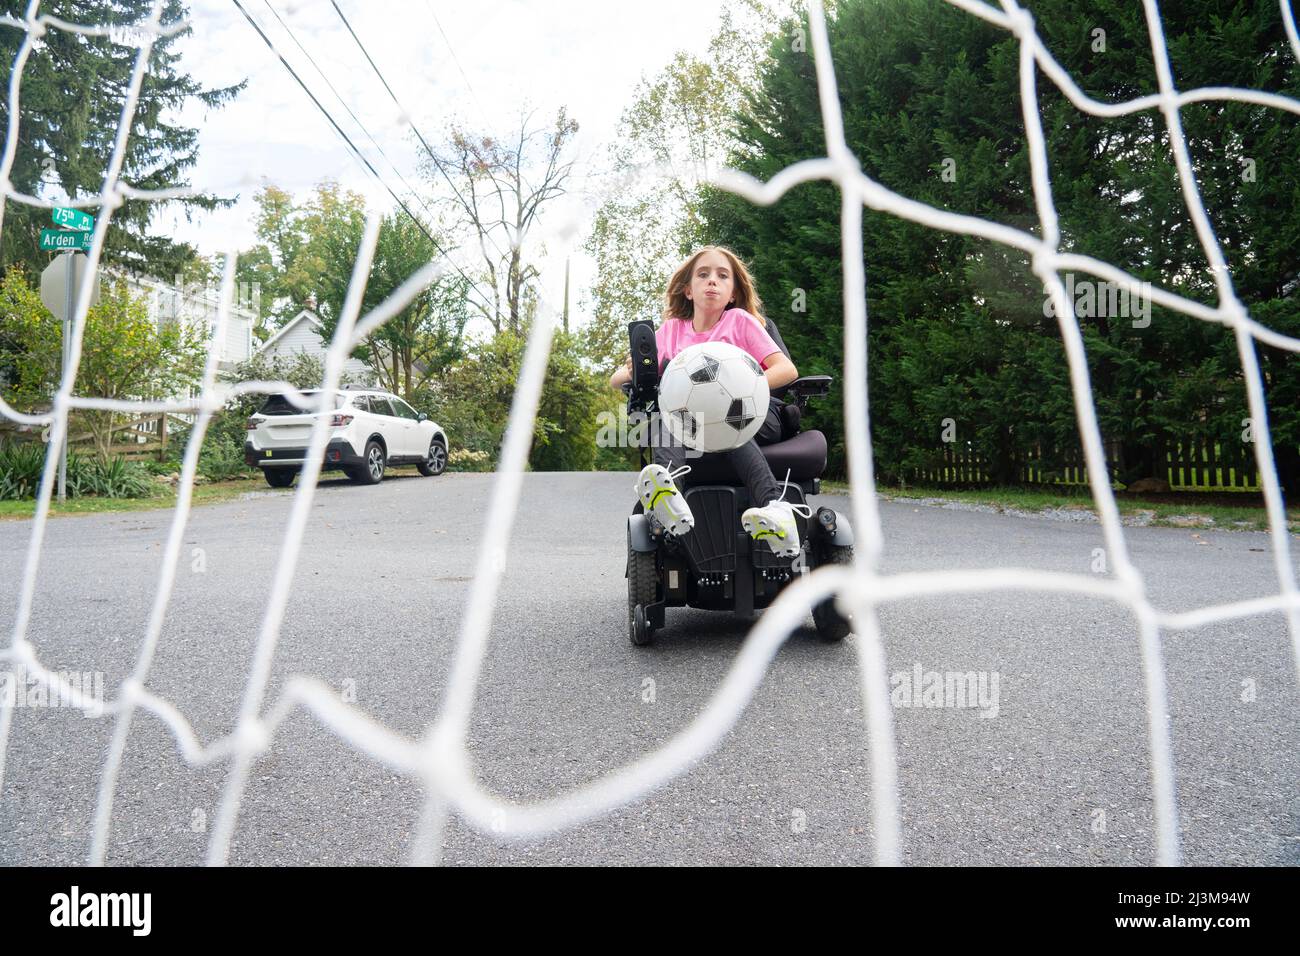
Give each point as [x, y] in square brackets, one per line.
[280, 404]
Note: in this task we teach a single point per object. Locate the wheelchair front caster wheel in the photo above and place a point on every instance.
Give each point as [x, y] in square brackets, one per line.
[642, 589]
[831, 625]
[639, 629]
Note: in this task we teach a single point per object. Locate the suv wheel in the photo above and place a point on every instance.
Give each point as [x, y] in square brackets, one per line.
[371, 469]
[280, 477]
[437, 462]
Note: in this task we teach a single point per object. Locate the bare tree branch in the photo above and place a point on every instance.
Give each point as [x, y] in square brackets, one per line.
[488, 173]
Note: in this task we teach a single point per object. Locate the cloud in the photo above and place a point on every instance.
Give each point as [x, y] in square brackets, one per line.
[477, 64]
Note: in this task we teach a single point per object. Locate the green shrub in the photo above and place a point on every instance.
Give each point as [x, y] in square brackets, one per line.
[168, 467]
[22, 463]
[222, 458]
[466, 459]
[114, 478]
[222, 454]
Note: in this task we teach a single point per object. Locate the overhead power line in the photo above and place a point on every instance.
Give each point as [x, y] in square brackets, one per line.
[455, 59]
[351, 145]
[409, 119]
[337, 95]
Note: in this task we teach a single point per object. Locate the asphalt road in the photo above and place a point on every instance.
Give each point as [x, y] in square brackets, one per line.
[377, 601]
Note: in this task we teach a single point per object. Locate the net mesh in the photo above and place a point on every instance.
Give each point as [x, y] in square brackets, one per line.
[439, 759]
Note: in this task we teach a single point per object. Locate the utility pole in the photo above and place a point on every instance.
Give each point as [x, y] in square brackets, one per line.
[566, 294]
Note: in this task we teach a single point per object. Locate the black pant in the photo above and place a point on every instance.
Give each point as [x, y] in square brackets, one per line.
[769, 433]
[747, 461]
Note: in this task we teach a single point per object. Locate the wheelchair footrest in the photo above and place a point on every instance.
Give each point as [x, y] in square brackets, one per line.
[711, 546]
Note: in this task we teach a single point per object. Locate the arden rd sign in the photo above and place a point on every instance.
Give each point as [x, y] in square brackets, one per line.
[57, 240]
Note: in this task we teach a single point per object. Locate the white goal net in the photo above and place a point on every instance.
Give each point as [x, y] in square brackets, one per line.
[439, 759]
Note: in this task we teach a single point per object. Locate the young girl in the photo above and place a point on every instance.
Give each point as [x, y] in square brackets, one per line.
[711, 298]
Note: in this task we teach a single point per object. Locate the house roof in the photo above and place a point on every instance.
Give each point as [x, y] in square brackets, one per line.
[304, 315]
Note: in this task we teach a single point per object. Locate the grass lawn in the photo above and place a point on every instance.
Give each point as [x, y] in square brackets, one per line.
[166, 498]
[204, 494]
[1225, 511]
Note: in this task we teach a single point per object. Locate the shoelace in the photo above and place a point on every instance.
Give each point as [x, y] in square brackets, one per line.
[674, 475]
[804, 511]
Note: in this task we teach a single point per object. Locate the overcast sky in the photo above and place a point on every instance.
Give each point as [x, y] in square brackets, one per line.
[478, 63]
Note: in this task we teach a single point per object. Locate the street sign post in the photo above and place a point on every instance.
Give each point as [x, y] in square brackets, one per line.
[72, 219]
[60, 281]
[57, 240]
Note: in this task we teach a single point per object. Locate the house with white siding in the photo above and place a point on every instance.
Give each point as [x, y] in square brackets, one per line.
[196, 306]
[302, 334]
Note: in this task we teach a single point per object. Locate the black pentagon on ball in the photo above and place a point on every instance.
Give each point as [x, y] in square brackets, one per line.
[753, 364]
[738, 415]
[706, 370]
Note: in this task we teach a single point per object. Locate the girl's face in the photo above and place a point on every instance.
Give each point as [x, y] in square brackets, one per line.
[712, 282]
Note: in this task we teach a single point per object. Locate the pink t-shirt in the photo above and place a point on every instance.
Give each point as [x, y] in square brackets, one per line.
[737, 327]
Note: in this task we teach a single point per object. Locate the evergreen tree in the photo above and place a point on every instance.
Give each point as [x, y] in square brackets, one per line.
[71, 96]
[958, 328]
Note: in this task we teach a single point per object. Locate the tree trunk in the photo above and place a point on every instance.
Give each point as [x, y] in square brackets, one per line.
[101, 426]
[512, 290]
[1138, 459]
[1288, 469]
[1002, 467]
[1286, 457]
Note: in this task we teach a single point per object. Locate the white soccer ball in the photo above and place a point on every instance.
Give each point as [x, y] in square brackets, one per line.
[713, 396]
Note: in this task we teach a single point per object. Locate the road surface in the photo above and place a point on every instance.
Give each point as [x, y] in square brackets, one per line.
[1060, 774]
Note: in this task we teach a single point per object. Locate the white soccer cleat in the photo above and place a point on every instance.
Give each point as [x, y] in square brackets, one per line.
[775, 524]
[658, 492]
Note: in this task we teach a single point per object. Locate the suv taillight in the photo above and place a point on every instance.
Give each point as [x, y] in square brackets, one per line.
[340, 421]
[252, 424]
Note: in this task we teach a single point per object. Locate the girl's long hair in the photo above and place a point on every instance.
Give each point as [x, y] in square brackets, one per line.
[743, 294]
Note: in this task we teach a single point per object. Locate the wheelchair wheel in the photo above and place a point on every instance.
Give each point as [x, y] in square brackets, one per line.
[831, 625]
[642, 589]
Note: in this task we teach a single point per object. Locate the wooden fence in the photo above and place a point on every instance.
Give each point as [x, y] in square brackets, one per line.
[1193, 465]
[143, 437]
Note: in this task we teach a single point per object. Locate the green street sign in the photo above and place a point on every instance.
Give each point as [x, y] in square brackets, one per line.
[57, 240]
[72, 219]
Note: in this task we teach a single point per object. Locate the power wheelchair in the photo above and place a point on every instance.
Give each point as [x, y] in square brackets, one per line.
[717, 566]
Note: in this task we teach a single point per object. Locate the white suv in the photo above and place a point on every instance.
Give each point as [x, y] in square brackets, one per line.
[370, 429]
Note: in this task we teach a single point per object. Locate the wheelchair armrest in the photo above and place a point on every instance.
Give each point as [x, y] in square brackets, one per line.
[808, 386]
